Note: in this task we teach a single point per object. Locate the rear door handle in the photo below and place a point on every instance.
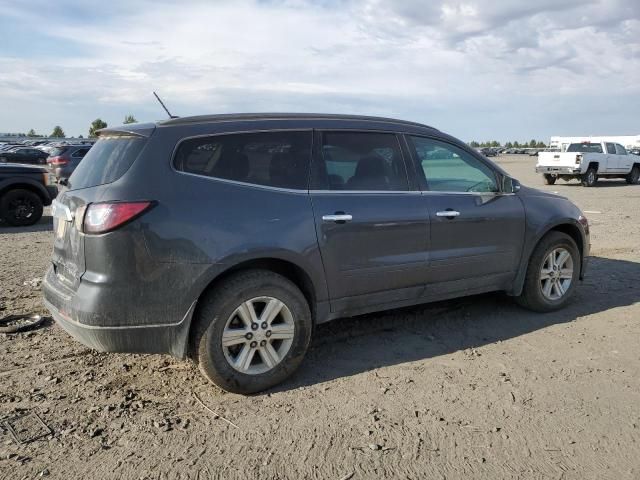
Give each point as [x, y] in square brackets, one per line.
[448, 213]
[337, 218]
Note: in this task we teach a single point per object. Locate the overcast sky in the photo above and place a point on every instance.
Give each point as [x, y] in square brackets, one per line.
[478, 69]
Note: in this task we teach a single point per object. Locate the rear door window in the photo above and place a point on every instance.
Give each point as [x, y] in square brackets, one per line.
[620, 150]
[611, 148]
[360, 161]
[107, 161]
[275, 159]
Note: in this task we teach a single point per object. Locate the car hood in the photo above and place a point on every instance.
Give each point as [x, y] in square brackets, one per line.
[534, 192]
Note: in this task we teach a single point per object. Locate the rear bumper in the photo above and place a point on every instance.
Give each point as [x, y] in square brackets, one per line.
[558, 170]
[66, 309]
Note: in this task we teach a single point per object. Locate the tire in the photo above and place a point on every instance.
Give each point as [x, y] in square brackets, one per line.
[533, 297]
[21, 207]
[549, 179]
[590, 178]
[633, 177]
[219, 312]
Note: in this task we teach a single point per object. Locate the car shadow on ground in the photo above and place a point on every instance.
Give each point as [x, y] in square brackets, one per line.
[45, 224]
[601, 183]
[351, 346]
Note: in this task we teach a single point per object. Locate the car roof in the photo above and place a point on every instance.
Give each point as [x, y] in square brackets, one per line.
[231, 117]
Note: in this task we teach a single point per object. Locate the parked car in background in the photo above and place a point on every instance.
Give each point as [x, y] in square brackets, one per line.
[587, 162]
[64, 159]
[27, 155]
[220, 238]
[635, 151]
[24, 191]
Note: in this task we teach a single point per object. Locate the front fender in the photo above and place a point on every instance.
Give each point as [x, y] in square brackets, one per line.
[539, 222]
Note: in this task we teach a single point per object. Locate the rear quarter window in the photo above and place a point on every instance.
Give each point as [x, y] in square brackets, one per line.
[107, 161]
[275, 159]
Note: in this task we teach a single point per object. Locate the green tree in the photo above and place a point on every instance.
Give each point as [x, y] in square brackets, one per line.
[541, 145]
[32, 133]
[516, 144]
[474, 144]
[130, 119]
[57, 132]
[495, 143]
[508, 145]
[533, 143]
[96, 125]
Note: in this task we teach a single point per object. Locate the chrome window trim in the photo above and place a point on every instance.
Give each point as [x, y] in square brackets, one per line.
[244, 184]
[364, 192]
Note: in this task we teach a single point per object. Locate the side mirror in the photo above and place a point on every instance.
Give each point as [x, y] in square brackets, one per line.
[510, 185]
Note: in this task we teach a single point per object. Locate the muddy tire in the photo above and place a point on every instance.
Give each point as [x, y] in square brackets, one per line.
[20, 207]
[552, 274]
[633, 177]
[590, 178]
[549, 179]
[252, 331]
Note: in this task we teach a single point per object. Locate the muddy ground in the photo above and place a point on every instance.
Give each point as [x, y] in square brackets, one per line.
[472, 388]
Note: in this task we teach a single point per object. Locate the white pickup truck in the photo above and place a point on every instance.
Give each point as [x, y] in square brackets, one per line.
[587, 161]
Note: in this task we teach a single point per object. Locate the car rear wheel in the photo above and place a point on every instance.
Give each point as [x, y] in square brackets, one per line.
[590, 178]
[252, 332]
[21, 207]
[552, 274]
[549, 179]
[633, 177]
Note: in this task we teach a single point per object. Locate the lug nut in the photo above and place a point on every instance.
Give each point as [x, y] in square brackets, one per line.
[254, 344]
[249, 336]
[264, 325]
[263, 343]
[268, 334]
[254, 326]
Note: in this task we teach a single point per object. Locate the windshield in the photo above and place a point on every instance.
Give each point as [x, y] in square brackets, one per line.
[107, 161]
[585, 148]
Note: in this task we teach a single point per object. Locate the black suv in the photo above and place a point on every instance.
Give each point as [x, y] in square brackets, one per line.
[228, 237]
[24, 191]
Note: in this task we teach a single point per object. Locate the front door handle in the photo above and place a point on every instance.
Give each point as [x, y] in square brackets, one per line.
[448, 213]
[337, 218]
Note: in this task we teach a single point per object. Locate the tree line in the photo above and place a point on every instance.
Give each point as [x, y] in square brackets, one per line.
[494, 143]
[96, 125]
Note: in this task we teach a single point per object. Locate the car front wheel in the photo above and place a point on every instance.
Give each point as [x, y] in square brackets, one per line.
[552, 274]
[590, 178]
[252, 332]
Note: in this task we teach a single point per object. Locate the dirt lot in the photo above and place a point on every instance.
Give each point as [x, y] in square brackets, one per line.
[472, 388]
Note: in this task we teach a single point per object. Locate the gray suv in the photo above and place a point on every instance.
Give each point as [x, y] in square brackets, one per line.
[226, 238]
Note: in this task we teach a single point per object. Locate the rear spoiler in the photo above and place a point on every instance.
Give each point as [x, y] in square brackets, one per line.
[137, 129]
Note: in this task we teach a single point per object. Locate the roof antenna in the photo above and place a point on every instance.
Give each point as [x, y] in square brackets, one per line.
[163, 106]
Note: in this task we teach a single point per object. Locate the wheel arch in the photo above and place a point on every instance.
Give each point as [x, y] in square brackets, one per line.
[25, 185]
[568, 227]
[287, 268]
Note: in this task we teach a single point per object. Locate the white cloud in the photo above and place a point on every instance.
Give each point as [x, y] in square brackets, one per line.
[453, 64]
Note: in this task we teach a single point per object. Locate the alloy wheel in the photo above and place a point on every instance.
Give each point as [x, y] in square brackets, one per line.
[258, 335]
[556, 273]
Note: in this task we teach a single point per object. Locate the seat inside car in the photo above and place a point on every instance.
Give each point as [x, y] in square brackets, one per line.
[370, 174]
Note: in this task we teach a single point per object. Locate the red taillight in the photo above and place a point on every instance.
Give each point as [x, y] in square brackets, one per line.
[57, 161]
[107, 216]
